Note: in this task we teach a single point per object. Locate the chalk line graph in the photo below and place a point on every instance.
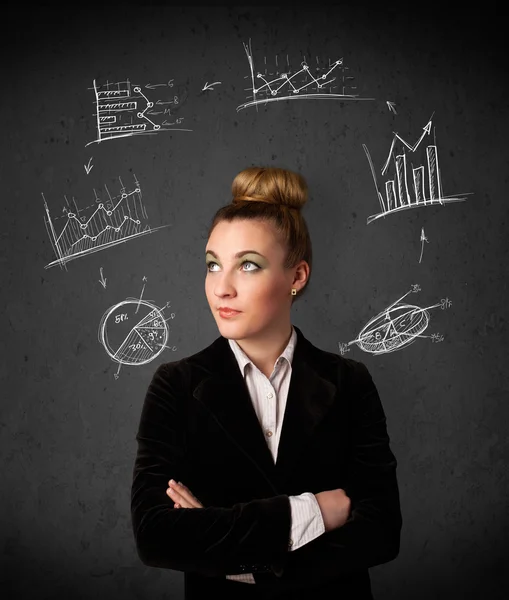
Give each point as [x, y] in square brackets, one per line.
[302, 81]
[113, 220]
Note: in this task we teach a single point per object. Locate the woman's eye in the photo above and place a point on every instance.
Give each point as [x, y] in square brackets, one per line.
[246, 262]
[250, 262]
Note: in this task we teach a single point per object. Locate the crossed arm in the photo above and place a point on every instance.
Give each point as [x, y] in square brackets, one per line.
[216, 541]
[212, 540]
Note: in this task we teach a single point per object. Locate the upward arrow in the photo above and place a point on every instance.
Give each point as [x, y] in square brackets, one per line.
[391, 106]
[423, 239]
[425, 131]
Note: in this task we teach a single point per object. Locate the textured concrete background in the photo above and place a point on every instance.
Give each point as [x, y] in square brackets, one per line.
[67, 426]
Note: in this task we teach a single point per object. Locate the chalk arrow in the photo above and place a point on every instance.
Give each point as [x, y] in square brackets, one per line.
[423, 239]
[391, 106]
[88, 168]
[116, 375]
[141, 295]
[208, 86]
[425, 131]
[103, 280]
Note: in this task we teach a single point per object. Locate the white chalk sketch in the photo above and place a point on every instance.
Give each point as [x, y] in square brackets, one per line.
[89, 167]
[390, 106]
[103, 279]
[210, 86]
[301, 80]
[135, 331]
[124, 109]
[423, 239]
[424, 189]
[399, 325]
[112, 220]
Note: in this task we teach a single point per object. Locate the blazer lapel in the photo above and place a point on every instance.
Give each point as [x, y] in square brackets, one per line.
[225, 394]
[310, 396]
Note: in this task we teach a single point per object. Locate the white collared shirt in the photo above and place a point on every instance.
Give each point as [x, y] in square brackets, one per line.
[269, 401]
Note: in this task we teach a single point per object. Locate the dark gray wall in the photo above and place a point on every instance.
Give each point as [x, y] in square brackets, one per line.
[68, 425]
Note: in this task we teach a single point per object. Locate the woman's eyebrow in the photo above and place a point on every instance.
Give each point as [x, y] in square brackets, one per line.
[239, 254]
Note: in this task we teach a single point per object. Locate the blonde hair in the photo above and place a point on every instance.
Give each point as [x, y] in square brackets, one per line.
[276, 196]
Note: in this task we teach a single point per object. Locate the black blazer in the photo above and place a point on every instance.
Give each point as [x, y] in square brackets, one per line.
[198, 426]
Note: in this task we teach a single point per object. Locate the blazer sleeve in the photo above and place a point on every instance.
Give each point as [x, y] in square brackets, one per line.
[371, 536]
[211, 540]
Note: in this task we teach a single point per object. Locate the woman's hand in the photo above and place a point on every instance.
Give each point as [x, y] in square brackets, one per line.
[335, 506]
[182, 496]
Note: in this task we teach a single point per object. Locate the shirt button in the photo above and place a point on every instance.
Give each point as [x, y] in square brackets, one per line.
[268, 433]
[269, 396]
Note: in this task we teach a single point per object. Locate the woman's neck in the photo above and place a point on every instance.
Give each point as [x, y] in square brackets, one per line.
[264, 350]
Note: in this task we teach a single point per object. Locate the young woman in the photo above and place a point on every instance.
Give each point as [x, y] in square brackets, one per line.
[264, 468]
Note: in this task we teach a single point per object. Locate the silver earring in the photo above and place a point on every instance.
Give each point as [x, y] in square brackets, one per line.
[294, 292]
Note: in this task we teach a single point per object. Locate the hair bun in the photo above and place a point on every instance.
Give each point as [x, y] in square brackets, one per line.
[272, 185]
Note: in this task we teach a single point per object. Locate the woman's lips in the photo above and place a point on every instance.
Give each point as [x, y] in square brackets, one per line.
[226, 314]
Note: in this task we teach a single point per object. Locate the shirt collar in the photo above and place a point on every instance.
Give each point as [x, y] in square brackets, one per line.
[244, 360]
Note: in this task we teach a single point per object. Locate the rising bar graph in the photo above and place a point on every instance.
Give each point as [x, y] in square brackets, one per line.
[410, 187]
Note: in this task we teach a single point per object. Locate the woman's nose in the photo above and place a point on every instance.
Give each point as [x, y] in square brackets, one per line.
[224, 286]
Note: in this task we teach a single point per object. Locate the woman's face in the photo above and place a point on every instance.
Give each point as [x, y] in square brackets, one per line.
[245, 272]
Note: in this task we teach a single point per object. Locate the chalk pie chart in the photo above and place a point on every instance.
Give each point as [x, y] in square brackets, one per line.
[133, 332]
[393, 328]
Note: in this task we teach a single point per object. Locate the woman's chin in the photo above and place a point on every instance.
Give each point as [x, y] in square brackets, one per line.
[230, 329]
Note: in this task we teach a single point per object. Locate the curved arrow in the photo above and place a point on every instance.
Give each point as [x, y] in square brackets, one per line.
[208, 86]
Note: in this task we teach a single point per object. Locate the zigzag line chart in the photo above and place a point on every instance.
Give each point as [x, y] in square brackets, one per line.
[304, 81]
[114, 220]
